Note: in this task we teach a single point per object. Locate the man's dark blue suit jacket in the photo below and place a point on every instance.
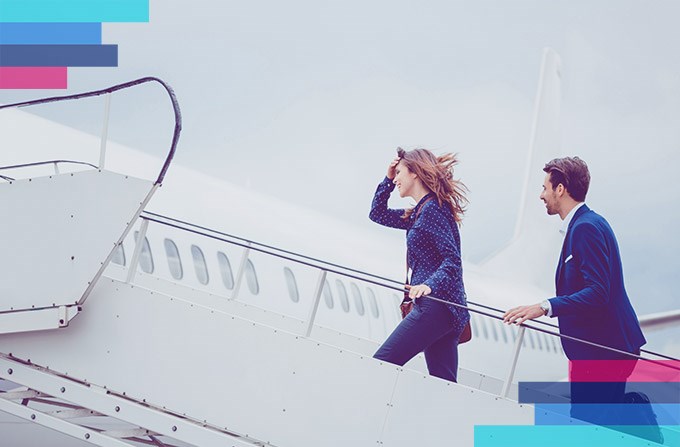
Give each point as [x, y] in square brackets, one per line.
[591, 301]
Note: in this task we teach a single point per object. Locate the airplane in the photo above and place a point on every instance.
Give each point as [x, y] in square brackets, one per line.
[223, 249]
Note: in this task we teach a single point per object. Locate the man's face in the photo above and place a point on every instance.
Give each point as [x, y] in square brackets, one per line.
[549, 196]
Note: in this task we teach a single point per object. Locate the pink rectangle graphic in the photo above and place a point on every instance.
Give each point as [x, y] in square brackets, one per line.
[33, 78]
[624, 371]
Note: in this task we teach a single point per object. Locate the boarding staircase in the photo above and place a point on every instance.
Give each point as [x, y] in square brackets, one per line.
[112, 362]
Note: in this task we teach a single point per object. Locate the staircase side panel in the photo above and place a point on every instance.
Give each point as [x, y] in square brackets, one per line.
[243, 376]
[58, 230]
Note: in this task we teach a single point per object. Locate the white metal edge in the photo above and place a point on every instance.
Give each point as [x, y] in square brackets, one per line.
[123, 409]
[60, 425]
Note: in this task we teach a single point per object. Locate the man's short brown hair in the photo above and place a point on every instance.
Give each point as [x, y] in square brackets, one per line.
[572, 173]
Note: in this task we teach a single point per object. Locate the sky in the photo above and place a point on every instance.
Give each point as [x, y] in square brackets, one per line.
[307, 101]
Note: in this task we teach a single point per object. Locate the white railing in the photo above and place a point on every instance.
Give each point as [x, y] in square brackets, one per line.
[325, 267]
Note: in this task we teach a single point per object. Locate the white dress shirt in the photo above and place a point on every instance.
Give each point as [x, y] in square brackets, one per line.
[563, 232]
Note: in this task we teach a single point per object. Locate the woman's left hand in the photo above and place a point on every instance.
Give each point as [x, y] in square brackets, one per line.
[418, 291]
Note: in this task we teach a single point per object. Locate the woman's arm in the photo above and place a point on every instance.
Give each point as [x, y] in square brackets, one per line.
[383, 215]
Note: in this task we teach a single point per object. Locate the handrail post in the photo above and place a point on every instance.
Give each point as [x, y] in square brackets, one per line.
[139, 243]
[241, 271]
[513, 365]
[315, 305]
[105, 130]
[56, 167]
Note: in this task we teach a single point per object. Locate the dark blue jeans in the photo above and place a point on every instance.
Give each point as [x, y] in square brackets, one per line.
[431, 328]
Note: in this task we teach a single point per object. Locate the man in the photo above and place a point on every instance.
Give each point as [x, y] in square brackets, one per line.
[591, 302]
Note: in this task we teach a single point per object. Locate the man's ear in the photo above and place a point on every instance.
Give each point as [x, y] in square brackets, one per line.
[560, 190]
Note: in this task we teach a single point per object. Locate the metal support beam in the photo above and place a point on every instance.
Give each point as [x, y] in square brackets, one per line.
[241, 271]
[28, 320]
[315, 304]
[513, 364]
[139, 243]
[105, 130]
[72, 414]
[143, 415]
[46, 420]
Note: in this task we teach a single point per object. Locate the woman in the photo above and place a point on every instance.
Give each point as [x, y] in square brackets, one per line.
[433, 254]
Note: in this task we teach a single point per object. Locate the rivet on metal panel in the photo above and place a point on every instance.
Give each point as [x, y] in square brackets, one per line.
[87, 436]
[33, 417]
[63, 390]
[174, 428]
[10, 371]
[117, 409]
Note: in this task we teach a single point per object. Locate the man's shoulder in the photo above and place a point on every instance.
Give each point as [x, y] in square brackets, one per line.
[591, 224]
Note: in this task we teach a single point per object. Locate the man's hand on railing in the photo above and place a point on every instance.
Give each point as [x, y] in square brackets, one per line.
[519, 315]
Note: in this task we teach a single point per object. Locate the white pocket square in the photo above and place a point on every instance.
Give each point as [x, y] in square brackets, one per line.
[568, 258]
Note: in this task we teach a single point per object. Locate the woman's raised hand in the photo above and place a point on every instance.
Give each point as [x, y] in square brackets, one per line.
[392, 168]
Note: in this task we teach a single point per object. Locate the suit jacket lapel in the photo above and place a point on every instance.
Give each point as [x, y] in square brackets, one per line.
[567, 240]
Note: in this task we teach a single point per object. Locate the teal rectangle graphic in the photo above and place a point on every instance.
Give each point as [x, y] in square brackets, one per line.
[569, 436]
[74, 11]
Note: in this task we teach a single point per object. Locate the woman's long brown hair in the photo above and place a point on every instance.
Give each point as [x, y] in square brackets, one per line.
[436, 173]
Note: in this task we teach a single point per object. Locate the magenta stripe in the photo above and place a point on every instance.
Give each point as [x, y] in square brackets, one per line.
[610, 371]
[33, 77]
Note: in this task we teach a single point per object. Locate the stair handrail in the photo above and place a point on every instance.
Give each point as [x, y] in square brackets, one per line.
[173, 99]
[249, 245]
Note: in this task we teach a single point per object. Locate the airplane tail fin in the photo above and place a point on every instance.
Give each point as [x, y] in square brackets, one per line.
[530, 253]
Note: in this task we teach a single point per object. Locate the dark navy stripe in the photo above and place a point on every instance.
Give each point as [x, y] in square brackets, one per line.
[50, 33]
[560, 392]
[58, 55]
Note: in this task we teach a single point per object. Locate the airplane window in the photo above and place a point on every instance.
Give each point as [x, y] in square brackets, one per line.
[504, 333]
[531, 335]
[145, 257]
[492, 323]
[485, 331]
[372, 303]
[251, 278]
[327, 295]
[119, 256]
[225, 270]
[555, 342]
[292, 285]
[200, 266]
[358, 300]
[342, 293]
[174, 262]
[473, 324]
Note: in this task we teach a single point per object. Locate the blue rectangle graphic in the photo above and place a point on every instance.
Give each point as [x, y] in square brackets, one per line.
[58, 55]
[560, 392]
[50, 33]
[607, 414]
[74, 11]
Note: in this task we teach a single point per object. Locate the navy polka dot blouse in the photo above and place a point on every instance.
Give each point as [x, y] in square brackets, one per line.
[433, 243]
